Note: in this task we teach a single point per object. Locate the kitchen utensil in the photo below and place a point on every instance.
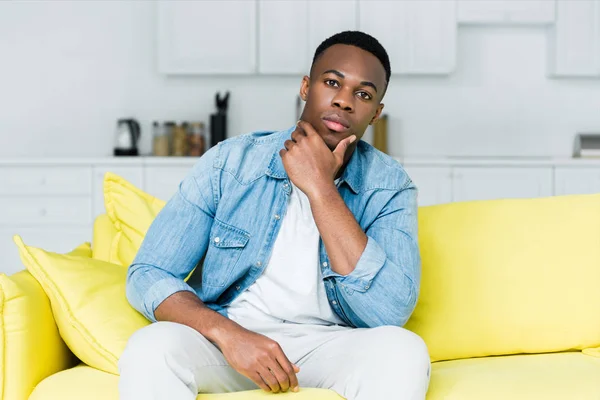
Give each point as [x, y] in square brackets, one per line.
[127, 137]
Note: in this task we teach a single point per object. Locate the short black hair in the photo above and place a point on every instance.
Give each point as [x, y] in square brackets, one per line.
[361, 40]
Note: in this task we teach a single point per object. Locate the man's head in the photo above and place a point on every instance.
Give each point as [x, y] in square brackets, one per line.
[348, 78]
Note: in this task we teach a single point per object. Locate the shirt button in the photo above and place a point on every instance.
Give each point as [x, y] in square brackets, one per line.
[285, 185]
[368, 286]
[277, 216]
[217, 239]
[334, 302]
[237, 287]
[258, 263]
[325, 264]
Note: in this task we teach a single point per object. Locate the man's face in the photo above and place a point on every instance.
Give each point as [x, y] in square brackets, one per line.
[343, 94]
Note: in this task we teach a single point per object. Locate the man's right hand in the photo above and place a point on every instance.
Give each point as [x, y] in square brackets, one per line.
[260, 359]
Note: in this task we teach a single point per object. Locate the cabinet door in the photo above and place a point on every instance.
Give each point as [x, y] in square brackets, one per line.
[434, 184]
[487, 183]
[328, 17]
[58, 239]
[283, 37]
[574, 42]
[506, 11]
[419, 36]
[576, 181]
[207, 37]
[133, 174]
[163, 182]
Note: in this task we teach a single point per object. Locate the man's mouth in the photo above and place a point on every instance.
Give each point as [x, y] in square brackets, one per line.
[336, 122]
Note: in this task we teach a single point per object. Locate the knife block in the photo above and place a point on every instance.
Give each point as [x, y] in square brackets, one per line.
[218, 128]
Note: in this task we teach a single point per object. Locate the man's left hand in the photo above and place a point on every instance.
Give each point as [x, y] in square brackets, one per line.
[309, 163]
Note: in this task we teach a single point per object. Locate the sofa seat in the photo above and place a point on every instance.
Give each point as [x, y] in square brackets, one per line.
[542, 376]
[83, 382]
[561, 376]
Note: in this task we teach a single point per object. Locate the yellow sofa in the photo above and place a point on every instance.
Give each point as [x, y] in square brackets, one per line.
[509, 304]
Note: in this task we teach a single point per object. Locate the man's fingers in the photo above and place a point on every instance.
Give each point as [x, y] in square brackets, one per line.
[290, 369]
[269, 379]
[281, 376]
[256, 378]
[288, 144]
[307, 128]
[340, 149]
[297, 135]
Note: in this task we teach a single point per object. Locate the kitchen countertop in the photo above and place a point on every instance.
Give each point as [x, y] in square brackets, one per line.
[408, 161]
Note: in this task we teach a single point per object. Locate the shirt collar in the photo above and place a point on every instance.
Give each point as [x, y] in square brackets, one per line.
[352, 175]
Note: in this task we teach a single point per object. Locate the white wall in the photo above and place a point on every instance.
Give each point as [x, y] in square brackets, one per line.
[68, 70]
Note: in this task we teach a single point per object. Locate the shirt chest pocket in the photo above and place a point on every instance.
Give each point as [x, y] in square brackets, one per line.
[223, 255]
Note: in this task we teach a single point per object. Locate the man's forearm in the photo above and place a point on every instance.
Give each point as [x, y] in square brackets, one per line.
[187, 309]
[343, 237]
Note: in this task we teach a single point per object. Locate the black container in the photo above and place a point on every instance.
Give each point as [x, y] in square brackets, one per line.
[218, 128]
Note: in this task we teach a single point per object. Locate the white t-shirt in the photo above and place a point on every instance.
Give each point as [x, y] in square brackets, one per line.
[291, 287]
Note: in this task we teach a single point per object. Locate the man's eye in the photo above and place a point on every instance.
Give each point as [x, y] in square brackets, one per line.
[331, 82]
[364, 95]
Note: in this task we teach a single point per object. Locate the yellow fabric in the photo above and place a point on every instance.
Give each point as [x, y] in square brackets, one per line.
[509, 276]
[557, 376]
[30, 346]
[104, 239]
[131, 211]
[83, 382]
[88, 301]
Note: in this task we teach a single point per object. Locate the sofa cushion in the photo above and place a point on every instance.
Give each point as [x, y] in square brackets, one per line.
[104, 240]
[88, 301]
[84, 382]
[541, 376]
[131, 211]
[509, 276]
[30, 345]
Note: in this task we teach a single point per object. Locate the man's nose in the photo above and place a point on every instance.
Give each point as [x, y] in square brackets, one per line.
[342, 101]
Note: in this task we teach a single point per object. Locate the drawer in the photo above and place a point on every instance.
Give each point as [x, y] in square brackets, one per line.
[133, 175]
[35, 211]
[45, 180]
[58, 239]
[163, 182]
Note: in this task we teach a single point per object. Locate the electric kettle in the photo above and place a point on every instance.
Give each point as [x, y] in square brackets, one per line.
[127, 137]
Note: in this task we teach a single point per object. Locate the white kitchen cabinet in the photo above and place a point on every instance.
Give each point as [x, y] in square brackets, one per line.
[576, 180]
[328, 17]
[133, 174]
[58, 239]
[574, 41]
[487, 183]
[207, 37]
[434, 184]
[419, 36]
[290, 31]
[163, 182]
[506, 11]
[283, 37]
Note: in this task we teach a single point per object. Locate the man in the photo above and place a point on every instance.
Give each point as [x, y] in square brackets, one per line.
[305, 243]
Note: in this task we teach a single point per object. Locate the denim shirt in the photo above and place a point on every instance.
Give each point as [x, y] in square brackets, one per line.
[228, 210]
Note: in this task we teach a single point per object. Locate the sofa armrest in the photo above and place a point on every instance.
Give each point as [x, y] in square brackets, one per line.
[30, 345]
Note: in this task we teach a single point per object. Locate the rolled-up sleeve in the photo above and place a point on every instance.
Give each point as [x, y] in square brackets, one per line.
[175, 242]
[384, 286]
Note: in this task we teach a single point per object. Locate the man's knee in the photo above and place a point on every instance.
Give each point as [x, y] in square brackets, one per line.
[152, 345]
[394, 355]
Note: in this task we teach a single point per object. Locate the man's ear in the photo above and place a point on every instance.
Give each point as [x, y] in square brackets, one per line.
[377, 114]
[304, 88]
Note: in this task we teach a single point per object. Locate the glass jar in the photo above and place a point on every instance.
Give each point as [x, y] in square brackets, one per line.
[160, 140]
[196, 139]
